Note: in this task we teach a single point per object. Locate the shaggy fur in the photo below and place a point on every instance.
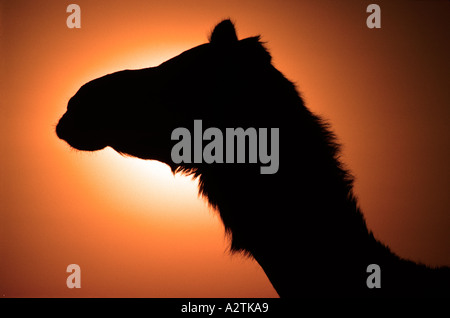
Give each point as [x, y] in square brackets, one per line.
[302, 224]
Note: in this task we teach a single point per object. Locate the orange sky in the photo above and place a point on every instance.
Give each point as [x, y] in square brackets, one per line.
[134, 229]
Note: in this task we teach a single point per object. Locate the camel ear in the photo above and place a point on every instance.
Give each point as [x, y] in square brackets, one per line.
[224, 33]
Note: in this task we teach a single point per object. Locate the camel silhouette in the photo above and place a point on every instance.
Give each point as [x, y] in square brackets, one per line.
[302, 224]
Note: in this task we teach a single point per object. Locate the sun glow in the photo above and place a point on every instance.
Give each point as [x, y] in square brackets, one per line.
[137, 58]
[131, 183]
[147, 188]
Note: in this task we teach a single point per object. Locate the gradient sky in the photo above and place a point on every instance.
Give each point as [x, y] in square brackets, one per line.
[136, 230]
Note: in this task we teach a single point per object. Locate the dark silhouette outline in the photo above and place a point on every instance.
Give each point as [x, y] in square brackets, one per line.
[302, 224]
